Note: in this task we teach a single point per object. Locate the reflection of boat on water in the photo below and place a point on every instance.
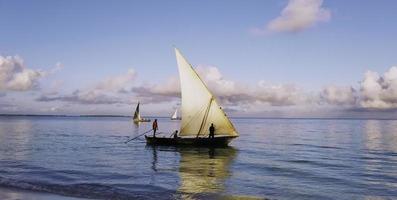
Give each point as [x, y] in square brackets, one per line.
[137, 116]
[201, 170]
[204, 170]
[199, 110]
[175, 115]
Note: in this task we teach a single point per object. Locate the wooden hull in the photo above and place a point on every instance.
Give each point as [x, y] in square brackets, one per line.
[142, 120]
[180, 141]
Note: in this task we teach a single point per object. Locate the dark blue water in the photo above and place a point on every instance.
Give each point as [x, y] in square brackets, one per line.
[86, 157]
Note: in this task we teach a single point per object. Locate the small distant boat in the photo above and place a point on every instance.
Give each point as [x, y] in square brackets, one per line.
[199, 110]
[175, 115]
[137, 116]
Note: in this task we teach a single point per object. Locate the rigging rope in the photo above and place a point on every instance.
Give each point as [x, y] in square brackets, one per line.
[204, 118]
[194, 116]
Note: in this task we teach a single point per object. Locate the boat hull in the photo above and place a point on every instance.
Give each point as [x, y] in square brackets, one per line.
[141, 120]
[181, 141]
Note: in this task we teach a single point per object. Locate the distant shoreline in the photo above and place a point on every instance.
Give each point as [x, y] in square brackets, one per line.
[126, 116]
[37, 115]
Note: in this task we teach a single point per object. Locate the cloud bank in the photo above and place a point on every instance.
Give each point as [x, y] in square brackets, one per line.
[107, 91]
[229, 92]
[375, 92]
[297, 16]
[156, 93]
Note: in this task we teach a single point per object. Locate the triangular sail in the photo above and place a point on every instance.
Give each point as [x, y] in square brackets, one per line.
[137, 115]
[199, 107]
[175, 115]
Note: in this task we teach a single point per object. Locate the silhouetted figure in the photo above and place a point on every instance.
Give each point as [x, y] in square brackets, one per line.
[155, 127]
[212, 131]
[176, 134]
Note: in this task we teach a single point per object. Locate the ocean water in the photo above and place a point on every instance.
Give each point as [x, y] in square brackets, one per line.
[86, 157]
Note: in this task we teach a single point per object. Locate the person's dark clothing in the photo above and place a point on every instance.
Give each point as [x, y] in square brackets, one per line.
[175, 134]
[155, 127]
[212, 131]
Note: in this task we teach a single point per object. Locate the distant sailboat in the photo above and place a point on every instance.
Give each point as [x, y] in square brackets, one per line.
[137, 116]
[175, 115]
[199, 110]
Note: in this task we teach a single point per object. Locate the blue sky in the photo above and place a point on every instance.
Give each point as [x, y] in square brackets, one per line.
[95, 40]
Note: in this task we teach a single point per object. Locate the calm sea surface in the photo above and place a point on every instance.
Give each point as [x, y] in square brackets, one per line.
[86, 157]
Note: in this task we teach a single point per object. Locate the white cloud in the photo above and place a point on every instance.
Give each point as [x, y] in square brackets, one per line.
[14, 76]
[218, 84]
[229, 92]
[156, 93]
[279, 94]
[379, 92]
[84, 97]
[226, 90]
[375, 92]
[342, 95]
[298, 15]
[108, 91]
[171, 87]
[117, 83]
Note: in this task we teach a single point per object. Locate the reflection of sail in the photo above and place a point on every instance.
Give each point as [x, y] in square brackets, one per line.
[372, 130]
[204, 170]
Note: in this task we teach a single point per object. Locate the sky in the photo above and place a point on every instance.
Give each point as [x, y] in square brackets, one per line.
[274, 58]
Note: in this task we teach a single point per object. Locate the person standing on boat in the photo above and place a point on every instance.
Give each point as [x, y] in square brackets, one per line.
[176, 134]
[155, 127]
[212, 131]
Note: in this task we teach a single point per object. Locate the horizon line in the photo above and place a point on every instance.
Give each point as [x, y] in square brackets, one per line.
[238, 117]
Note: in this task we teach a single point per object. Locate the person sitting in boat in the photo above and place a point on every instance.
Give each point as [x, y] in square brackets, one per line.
[175, 134]
[155, 127]
[212, 131]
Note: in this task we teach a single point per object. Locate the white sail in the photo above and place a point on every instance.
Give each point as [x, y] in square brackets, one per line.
[199, 107]
[175, 115]
[137, 115]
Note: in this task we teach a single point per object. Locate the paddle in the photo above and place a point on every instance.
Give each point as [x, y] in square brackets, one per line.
[138, 136]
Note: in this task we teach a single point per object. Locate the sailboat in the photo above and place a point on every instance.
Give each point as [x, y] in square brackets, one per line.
[137, 116]
[175, 115]
[199, 110]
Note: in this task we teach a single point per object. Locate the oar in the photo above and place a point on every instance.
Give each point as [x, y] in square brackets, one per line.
[138, 136]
